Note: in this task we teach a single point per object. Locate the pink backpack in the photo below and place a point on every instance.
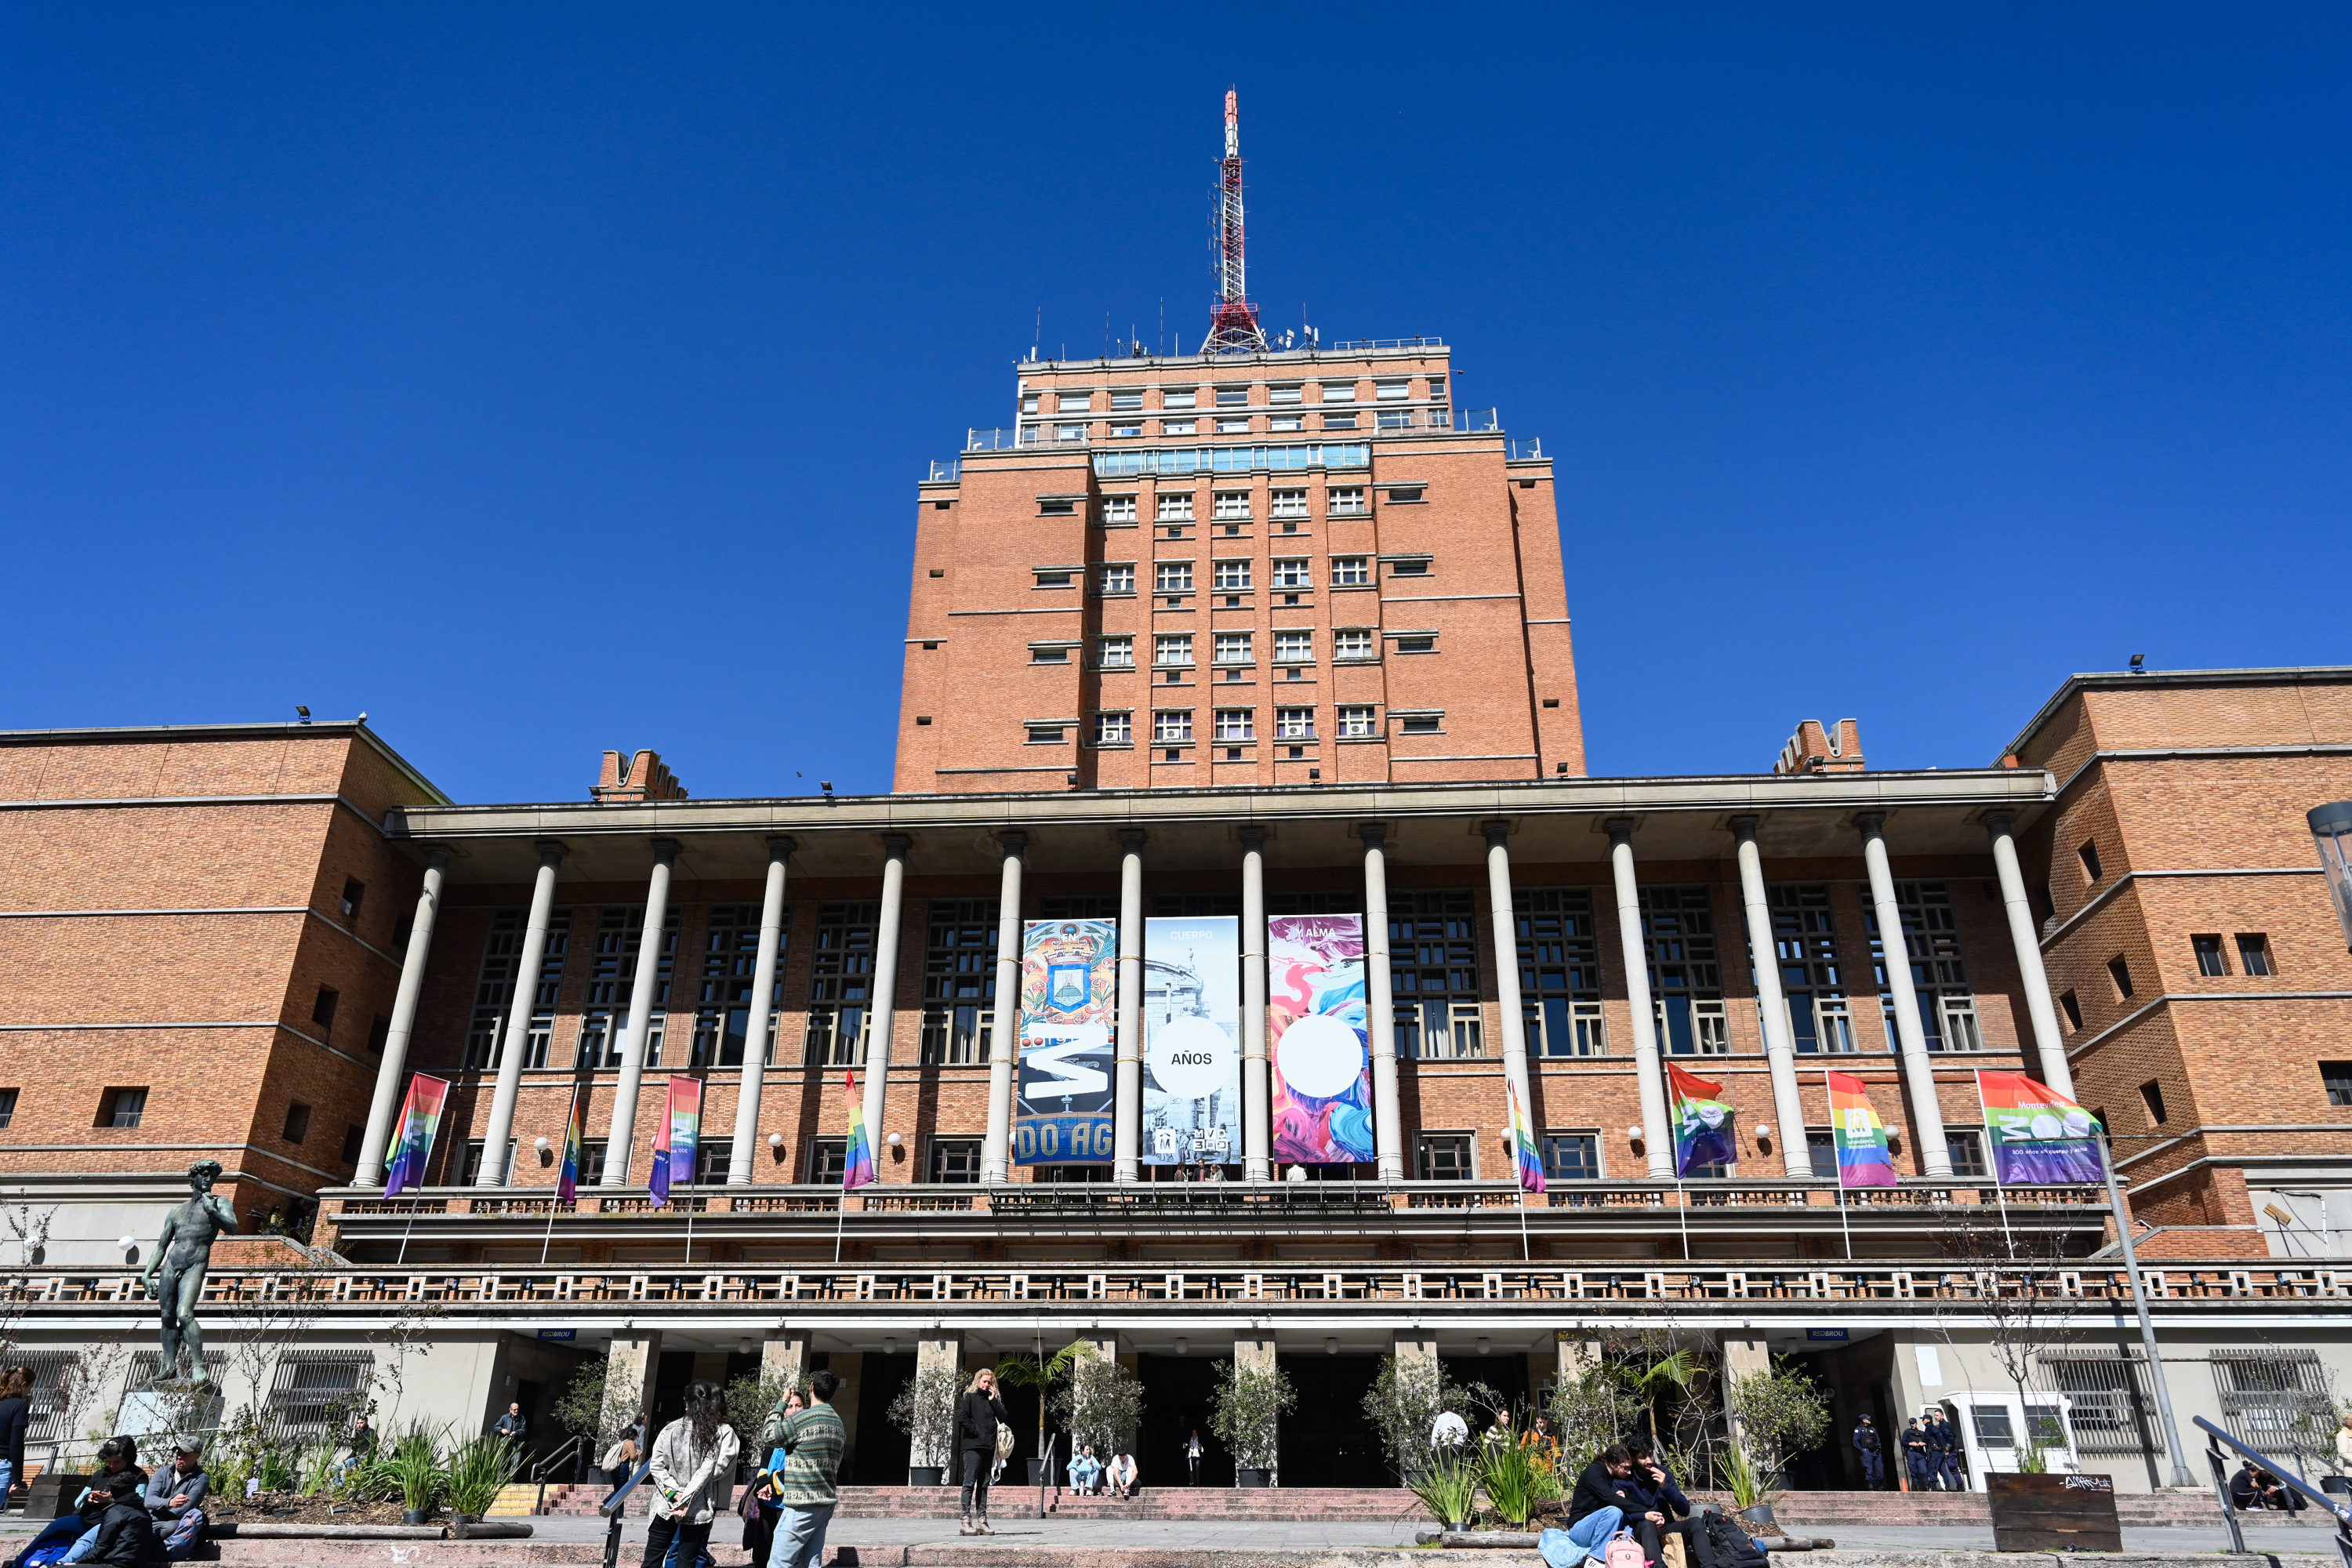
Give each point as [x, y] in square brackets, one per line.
[1624, 1552]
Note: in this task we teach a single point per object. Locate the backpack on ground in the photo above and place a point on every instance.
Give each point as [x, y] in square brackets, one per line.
[1624, 1552]
[1730, 1546]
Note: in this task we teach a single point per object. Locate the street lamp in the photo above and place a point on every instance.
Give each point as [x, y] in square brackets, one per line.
[2331, 829]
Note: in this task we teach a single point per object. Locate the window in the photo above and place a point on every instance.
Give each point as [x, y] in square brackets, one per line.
[1128, 399]
[494, 988]
[7, 1106]
[2208, 955]
[1293, 573]
[298, 1122]
[353, 894]
[1406, 495]
[2335, 1077]
[1118, 509]
[731, 957]
[1075, 402]
[1686, 978]
[1043, 734]
[1049, 653]
[1285, 422]
[1939, 977]
[2119, 971]
[1967, 1146]
[1176, 508]
[1437, 388]
[1411, 566]
[121, 1107]
[1420, 723]
[2073, 1005]
[1114, 730]
[2089, 853]
[1559, 972]
[2269, 1395]
[1358, 724]
[1571, 1156]
[1353, 643]
[1434, 974]
[1171, 728]
[1233, 575]
[322, 1010]
[379, 1031]
[1236, 724]
[841, 984]
[1294, 647]
[1233, 647]
[959, 981]
[1178, 399]
[1392, 390]
[1339, 391]
[1055, 577]
[1820, 1152]
[1115, 653]
[1294, 724]
[1350, 572]
[1176, 649]
[1179, 427]
[1233, 396]
[828, 1158]
[2152, 1095]
[955, 1160]
[1117, 578]
[1232, 503]
[354, 1139]
[1447, 1157]
[1805, 949]
[1395, 418]
[1029, 404]
[2254, 953]
[1347, 501]
[1057, 506]
[1285, 394]
[1069, 432]
[1286, 503]
[1232, 427]
[1172, 577]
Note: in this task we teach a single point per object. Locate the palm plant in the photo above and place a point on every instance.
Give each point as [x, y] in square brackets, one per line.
[478, 1470]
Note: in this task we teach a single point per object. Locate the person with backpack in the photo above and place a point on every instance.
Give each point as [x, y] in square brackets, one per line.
[124, 1535]
[980, 1415]
[1663, 1510]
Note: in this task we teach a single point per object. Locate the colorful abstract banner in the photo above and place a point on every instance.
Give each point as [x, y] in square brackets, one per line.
[1069, 1006]
[1191, 1040]
[1860, 1136]
[1523, 1139]
[575, 1137]
[412, 1140]
[674, 1144]
[2038, 1136]
[857, 1163]
[1702, 1121]
[1317, 1037]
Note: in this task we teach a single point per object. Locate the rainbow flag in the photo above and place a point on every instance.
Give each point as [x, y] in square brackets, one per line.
[2038, 1136]
[858, 1166]
[411, 1142]
[1860, 1135]
[1702, 1121]
[575, 1134]
[673, 1145]
[1523, 1140]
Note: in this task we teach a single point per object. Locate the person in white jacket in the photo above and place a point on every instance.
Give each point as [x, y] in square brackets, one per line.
[693, 1476]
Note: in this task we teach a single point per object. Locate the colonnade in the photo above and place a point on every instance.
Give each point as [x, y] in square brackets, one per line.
[1788, 1111]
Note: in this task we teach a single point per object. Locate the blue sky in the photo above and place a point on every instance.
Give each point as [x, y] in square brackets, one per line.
[546, 380]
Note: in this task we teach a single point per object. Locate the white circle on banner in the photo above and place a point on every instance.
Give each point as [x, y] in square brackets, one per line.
[1191, 1058]
[2048, 1126]
[2078, 1123]
[1320, 1056]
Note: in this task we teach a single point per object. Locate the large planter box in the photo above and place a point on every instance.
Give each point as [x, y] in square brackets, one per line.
[2053, 1513]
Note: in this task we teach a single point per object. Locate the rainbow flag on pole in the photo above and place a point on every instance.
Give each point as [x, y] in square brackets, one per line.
[674, 1144]
[857, 1166]
[1523, 1140]
[2038, 1136]
[1702, 1121]
[575, 1136]
[1859, 1134]
[412, 1140]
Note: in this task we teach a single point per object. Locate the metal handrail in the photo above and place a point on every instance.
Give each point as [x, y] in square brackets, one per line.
[542, 1466]
[2215, 1435]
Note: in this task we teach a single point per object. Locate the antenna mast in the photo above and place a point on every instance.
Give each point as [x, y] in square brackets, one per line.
[1232, 325]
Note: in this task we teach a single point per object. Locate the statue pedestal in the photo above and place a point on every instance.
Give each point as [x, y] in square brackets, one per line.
[160, 1412]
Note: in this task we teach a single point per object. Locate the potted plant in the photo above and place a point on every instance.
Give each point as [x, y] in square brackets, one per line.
[414, 1467]
[479, 1471]
[1101, 1403]
[1775, 1414]
[1245, 1410]
[925, 1410]
[1446, 1486]
[1509, 1471]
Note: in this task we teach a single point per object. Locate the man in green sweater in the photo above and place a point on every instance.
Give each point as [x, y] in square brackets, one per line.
[812, 1440]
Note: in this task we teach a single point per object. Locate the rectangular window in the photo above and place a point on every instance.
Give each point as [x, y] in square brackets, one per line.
[1075, 402]
[1179, 427]
[1686, 976]
[1058, 578]
[1117, 578]
[1118, 509]
[1049, 653]
[1172, 650]
[955, 1162]
[1178, 399]
[1233, 396]
[1350, 571]
[1421, 723]
[121, 1107]
[1339, 391]
[1939, 977]
[1434, 974]
[2073, 1007]
[1114, 730]
[1293, 573]
[7, 1106]
[379, 1032]
[2335, 1077]
[1447, 1156]
[841, 984]
[1115, 653]
[2089, 854]
[1029, 404]
[1967, 1146]
[1805, 949]
[495, 987]
[1392, 391]
[1348, 501]
[322, 1009]
[1571, 1156]
[354, 893]
[1285, 422]
[1236, 724]
[1294, 724]
[1358, 724]
[2119, 971]
[354, 1138]
[2152, 1095]
[1559, 972]
[1176, 508]
[298, 1122]
[2208, 955]
[1287, 503]
[1232, 427]
[1279, 395]
[1171, 728]
[1127, 399]
[1411, 566]
[1057, 506]
[1233, 504]
[1233, 647]
[1353, 643]
[1040, 734]
[2254, 953]
[1395, 418]
[1338, 422]
[959, 981]
[1172, 577]
[1233, 575]
[827, 1159]
[1294, 647]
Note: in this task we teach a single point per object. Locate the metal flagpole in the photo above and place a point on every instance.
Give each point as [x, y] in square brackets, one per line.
[549, 1239]
[1526, 1256]
[1844, 1225]
[841, 1209]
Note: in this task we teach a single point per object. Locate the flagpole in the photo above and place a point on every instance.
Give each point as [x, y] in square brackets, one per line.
[1526, 1254]
[548, 1240]
[841, 1210]
[1844, 1225]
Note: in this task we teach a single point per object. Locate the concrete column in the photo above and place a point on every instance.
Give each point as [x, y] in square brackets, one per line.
[784, 1355]
[1926, 1127]
[1649, 1071]
[755, 1038]
[1572, 1355]
[1126, 1137]
[2049, 1041]
[937, 1349]
[1780, 1049]
[630, 1367]
[621, 1136]
[500, 1131]
[884, 1014]
[1388, 1117]
[1506, 977]
[1742, 1358]
[390, 1073]
[1004, 1035]
[1416, 1363]
[1257, 1127]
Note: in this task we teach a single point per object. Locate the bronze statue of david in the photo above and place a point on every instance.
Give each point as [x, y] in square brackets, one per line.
[182, 1254]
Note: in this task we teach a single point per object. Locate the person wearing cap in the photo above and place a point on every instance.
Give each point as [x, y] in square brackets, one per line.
[1868, 1446]
[181, 1485]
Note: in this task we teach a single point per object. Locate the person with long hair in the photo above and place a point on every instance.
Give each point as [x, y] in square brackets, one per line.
[16, 1414]
[978, 1415]
[693, 1471]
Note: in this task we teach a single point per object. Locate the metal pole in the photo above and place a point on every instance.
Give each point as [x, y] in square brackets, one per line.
[2180, 1477]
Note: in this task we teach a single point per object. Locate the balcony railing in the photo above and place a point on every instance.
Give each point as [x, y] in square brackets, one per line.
[1354, 344]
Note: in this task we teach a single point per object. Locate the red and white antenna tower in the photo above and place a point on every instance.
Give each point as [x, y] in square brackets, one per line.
[1232, 325]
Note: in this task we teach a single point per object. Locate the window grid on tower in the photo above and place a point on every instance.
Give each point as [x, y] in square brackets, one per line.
[731, 956]
[1804, 946]
[1434, 974]
[1685, 980]
[1559, 972]
[959, 981]
[612, 976]
[841, 983]
[1939, 974]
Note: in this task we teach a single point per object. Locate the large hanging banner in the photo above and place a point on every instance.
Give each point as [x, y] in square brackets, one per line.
[1191, 1041]
[1069, 1005]
[1702, 1118]
[1860, 1136]
[1318, 1037]
[2039, 1137]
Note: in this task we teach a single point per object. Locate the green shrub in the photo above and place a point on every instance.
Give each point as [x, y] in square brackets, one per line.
[478, 1470]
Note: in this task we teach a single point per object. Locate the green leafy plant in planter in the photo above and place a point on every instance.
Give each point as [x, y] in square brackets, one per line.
[1246, 1404]
[479, 1468]
[1101, 1404]
[413, 1465]
[1775, 1414]
[925, 1410]
[1446, 1487]
[1514, 1479]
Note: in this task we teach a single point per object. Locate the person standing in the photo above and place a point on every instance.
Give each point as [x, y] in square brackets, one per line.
[1867, 1445]
[15, 1414]
[1915, 1454]
[693, 1468]
[977, 1416]
[2343, 1444]
[1192, 1454]
[511, 1426]
[814, 1439]
[1943, 1458]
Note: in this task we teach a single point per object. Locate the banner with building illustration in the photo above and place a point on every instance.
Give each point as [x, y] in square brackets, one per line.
[1191, 1040]
[1070, 1007]
[1318, 1035]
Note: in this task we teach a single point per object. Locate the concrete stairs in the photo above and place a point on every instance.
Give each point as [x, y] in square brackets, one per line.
[517, 1500]
[1207, 1503]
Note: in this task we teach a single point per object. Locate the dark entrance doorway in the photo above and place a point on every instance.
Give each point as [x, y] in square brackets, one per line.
[1325, 1441]
[1175, 1400]
[1506, 1375]
[883, 1451]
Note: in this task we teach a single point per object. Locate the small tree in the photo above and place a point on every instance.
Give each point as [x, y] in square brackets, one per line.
[925, 1410]
[748, 1399]
[1021, 1370]
[1778, 1415]
[1247, 1405]
[1405, 1400]
[593, 1407]
[2025, 1315]
[1596, 1407]
[1102, 1404]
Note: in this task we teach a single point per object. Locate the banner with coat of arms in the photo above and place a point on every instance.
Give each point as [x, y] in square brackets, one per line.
[1069, 1010]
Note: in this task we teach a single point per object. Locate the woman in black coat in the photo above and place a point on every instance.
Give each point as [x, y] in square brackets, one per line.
[978, 1415]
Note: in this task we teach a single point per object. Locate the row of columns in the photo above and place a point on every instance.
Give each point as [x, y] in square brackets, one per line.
[1917, 1066]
